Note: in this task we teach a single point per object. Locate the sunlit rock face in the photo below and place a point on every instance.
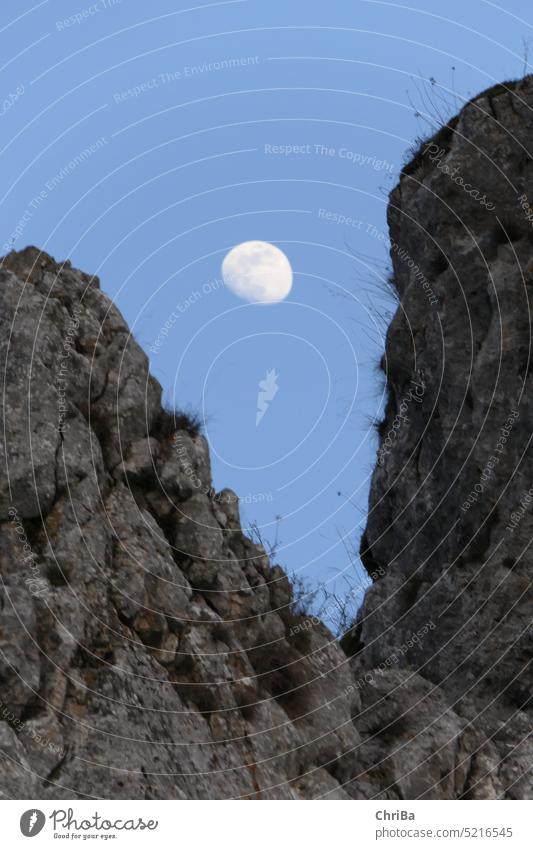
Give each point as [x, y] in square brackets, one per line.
[149, 649]
[450, 519]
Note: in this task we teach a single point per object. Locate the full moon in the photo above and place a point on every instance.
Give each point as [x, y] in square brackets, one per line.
[258, 272]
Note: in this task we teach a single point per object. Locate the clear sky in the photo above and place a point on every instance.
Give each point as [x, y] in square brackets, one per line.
[144, 141]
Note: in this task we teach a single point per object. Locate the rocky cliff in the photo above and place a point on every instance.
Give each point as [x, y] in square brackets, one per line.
[148, 649]
[450, 519]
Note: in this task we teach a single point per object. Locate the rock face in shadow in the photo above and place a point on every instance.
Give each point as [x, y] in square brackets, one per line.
[149, 649]
[450, 520]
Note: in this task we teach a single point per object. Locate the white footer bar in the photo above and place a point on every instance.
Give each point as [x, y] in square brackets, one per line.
[267, 825]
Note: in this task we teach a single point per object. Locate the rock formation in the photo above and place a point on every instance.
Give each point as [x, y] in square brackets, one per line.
[148, 649]
[447, 536]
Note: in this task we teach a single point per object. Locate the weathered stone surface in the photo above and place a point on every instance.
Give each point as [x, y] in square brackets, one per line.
[147, 647]
[452, 598]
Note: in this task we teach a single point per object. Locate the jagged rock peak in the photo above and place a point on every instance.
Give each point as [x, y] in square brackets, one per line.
[148, 649]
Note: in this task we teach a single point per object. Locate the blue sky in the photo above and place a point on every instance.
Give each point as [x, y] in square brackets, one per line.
[145, 141]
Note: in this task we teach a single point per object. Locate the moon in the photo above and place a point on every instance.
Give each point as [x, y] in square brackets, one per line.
[258, 272]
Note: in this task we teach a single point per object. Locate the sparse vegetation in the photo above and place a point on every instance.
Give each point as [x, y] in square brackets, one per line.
[170, 420]
[438, 110]
[312, 604]
[188, 421]
[303, 597]
[271, 547]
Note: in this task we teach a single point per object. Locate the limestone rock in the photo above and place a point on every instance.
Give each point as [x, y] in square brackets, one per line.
[145, 643]
[450, 518]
